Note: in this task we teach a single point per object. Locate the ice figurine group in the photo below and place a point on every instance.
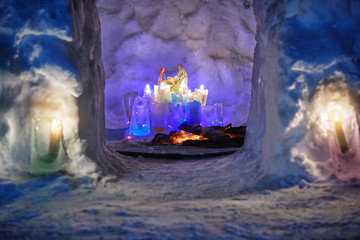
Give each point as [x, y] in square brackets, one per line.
[168, 105]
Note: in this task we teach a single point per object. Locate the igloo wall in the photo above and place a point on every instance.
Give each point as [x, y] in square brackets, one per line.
[304, 48]
[50, 62]
[213, 40]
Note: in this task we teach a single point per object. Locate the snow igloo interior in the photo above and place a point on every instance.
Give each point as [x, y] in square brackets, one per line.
[289, 70]
[214, 41]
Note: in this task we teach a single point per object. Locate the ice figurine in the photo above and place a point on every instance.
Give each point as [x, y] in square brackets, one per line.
[208, 116]
[128, 102]
[219, 113]
[46, 146]
[159, 117]
[194, 112]
[180, 79]
[140, 118]
[344, 145]
[177, 116]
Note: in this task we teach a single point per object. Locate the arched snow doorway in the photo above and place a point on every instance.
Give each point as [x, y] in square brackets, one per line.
[213, 40]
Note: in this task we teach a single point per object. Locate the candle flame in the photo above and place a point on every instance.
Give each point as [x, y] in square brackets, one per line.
[54, 124]
[201, 87]
[162, 84]
[336, 116]
[147, 87]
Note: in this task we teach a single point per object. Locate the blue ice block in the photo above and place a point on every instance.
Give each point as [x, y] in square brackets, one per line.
[194, 112]
[140, 118]
[177, 116]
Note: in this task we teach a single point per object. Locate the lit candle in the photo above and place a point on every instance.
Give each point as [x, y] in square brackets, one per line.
[147, 93]
[162, 89]
[204, 94]
[340, 134]
[165, 93]
[55, 135]
[157, 93]
[46, 149]
[181, 91]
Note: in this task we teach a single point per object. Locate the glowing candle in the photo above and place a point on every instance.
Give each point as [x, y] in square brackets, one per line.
[55, 135]
[340, 134]
[181, 91]
[165, 93]
[147, 93]
[46, 145]
[157, 95]
[203, 95]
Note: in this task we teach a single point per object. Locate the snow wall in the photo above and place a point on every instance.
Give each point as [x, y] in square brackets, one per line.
[50, 66]
[213, 40]
[306, 61]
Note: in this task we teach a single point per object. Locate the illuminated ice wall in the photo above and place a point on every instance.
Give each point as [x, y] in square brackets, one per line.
[42, 76]
[307, 63]
[213, 40]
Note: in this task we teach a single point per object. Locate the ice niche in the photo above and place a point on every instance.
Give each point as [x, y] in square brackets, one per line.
[334, 128]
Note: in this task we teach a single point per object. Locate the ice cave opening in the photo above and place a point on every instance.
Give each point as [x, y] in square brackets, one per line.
[213, 41]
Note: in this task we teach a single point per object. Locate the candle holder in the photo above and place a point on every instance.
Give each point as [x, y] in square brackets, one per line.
[140, 118]
[194, 112]
[46, 146]
[128, 102]
[208, 116]
[159, 117]
[344, 144]
[219, 113]
[177, 116]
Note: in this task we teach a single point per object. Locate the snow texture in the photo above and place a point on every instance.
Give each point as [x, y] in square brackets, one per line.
[51, 63]
[213, 40]
[34, 83]
[303, 47]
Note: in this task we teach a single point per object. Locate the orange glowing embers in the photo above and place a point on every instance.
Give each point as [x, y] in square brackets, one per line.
[178, 138]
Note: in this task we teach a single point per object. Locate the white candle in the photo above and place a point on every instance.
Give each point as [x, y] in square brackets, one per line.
[55, 135]
[165, 93]
[181, 90]
[147, 92]
[204, 94]
[340, 134]
[157, 96]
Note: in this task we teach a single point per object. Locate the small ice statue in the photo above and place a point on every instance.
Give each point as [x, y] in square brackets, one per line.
[140, 118]
[180, 78]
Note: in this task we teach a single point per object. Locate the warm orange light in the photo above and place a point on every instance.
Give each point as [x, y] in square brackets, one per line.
[336, 115]
[181, 136]
[55, 135]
